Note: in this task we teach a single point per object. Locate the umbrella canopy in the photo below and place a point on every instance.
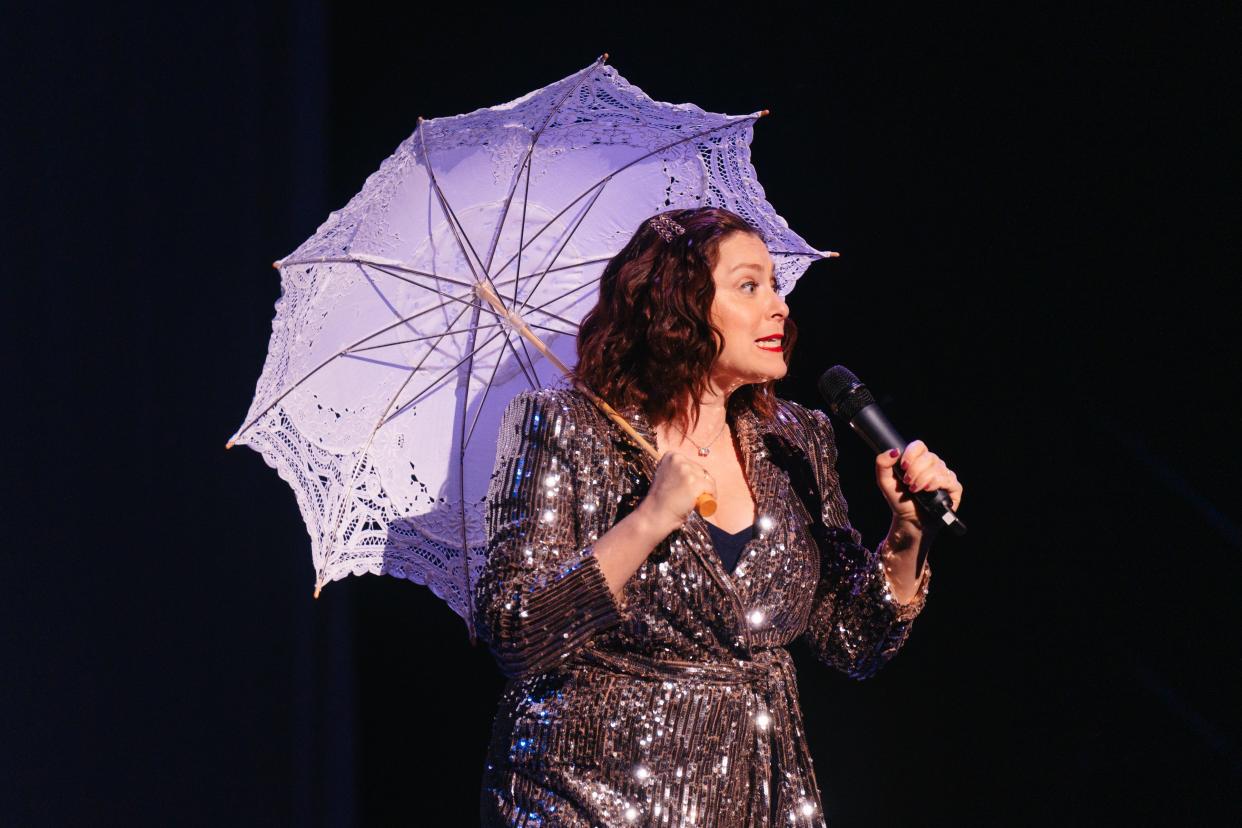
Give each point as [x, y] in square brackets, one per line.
[395, 347]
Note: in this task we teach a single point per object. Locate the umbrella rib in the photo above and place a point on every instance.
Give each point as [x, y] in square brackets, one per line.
[564, 243]
[405, 406]
[461, 454]
[469, 302]
[353, 474]
[533, 380]
[517, 279]
[378, 265]
[625, 167]
[455, 226]
[374, 361]
[482, 306]
[521, 364]
[504, 211]
[383, 296]
[516, 286]
[423, 338]
[554, 316]
[411, 374]
[525, 168]
[551, 330]
[526, 195]
[454, 223]
[570, 322]
[527, 366]
[337, 355]
[565, 295]
[464, 301]
[479, 411]
[570, 266]
[382, 268]
[410, 318]
[459, 282]
[517, 271]
[550, 222]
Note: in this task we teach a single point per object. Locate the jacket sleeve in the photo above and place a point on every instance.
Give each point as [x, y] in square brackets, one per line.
[540, 597]
[856, 624]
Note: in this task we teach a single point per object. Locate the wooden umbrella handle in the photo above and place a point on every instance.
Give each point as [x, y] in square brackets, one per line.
[705, 504]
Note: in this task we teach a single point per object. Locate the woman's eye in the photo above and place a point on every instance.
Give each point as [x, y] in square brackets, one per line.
[746, 285]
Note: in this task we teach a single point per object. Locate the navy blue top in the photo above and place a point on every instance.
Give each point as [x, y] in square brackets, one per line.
[729, 547]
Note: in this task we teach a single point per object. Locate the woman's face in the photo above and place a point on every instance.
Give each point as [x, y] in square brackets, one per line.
[749, 312]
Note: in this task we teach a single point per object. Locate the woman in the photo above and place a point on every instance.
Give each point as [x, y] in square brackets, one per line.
[649, 680]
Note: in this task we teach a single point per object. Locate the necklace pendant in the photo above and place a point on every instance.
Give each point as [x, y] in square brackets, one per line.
[703, 452]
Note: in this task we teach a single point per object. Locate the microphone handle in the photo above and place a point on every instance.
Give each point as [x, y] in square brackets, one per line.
[877, 432]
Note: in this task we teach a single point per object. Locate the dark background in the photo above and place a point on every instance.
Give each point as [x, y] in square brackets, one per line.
[1038, 225]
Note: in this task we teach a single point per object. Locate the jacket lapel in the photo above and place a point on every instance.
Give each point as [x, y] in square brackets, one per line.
[694, 533]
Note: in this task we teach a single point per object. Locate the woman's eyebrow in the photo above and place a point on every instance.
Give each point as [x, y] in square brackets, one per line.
[755, 266]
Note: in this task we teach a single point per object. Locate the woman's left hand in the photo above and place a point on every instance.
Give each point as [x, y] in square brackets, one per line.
[917, 469]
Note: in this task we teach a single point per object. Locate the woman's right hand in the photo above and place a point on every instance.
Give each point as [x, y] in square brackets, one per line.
[674, 491]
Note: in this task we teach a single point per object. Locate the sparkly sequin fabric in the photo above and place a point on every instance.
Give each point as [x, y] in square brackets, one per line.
[677, 705]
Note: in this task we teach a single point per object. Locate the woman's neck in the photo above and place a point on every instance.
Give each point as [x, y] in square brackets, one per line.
[713, 407]
[715, 398]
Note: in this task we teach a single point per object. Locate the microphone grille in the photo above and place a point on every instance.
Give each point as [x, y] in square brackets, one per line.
[844, 392]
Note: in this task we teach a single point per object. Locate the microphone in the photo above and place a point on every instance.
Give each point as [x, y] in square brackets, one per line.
[850, 400]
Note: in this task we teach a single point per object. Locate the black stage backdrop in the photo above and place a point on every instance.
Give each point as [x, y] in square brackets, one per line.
[1038, 229]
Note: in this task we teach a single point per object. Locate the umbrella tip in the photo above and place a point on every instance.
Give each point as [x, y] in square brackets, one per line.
[763, 112]
[228, 445]
[830, 254]
[603, 58]
[316, 592]
[276, 264]
[420, 120]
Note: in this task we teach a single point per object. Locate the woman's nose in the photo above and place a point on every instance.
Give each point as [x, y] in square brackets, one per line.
[779, 308]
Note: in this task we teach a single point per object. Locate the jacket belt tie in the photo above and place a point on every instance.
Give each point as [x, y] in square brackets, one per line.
[771, 673]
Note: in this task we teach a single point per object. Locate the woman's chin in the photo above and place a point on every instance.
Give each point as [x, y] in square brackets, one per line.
[770, 375]
[758, 376]
[776, 372]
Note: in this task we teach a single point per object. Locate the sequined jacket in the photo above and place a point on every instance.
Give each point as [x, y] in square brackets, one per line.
[678, 704]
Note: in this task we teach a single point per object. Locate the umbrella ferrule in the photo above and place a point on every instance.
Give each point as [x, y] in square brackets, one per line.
[505, 315]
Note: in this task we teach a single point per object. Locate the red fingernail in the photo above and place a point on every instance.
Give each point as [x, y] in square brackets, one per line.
[894, 453]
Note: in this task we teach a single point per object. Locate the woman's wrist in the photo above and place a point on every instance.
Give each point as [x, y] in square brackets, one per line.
[652, 523]
[904, 535]
[903, 554]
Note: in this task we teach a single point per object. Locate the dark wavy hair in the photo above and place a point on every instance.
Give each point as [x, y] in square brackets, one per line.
[649, 341]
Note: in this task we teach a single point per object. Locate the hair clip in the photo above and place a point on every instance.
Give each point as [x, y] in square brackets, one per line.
[666, 227]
